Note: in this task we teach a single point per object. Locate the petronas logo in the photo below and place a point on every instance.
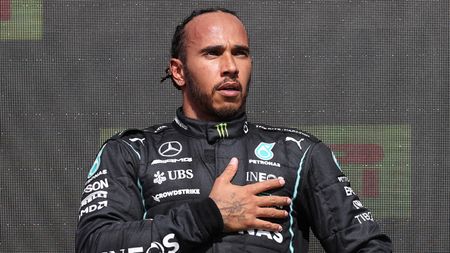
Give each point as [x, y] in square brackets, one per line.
[222, 130]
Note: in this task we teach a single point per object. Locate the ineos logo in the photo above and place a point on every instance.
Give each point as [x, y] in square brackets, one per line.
[169, 149]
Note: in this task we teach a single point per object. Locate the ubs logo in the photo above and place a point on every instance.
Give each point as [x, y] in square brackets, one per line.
[170, 148]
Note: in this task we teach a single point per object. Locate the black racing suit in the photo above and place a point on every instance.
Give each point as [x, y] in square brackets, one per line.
[148, 192]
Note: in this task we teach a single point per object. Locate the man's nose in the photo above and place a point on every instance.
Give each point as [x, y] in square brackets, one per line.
[229, 67]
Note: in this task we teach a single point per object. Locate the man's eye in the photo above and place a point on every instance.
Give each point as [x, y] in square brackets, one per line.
[213, 53]
[242, 53]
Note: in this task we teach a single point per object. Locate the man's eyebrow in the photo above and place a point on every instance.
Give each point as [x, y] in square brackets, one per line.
[219, 48]
[213, 48]
[241, 48]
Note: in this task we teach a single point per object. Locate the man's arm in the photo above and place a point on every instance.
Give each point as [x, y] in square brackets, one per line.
[112, 211]
[337, 216]
[111, 215]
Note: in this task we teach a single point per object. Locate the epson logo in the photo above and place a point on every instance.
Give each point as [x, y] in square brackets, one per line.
[98, 185]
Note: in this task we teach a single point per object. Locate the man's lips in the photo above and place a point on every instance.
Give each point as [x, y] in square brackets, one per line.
[229, 86]
[229, 89]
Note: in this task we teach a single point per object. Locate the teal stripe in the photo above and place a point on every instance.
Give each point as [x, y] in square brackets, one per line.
[336, 161]
[142, 197]
[294, 196]
[137, 153]
[96, 164]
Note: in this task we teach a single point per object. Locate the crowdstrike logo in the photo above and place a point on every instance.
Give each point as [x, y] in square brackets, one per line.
[222, 130]
[163, 195]
[170, 148]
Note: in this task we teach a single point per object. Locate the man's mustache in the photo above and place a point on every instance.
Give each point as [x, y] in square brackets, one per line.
[228, 83]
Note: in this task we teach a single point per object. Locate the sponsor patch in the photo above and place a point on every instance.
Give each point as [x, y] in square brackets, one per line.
[168, 244]
[167, 194]
[170, 149]
[254, 176]
[93, 208]
[97, 185]
[264, 151]
[343, 179]
[349, 191]
[357, 204]
[273, 236]
[94, 195]
[364, 217]
[268, 163]
[178, 160]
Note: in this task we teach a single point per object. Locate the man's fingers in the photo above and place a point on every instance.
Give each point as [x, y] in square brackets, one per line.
[267, 201]
[229, 172]
[266, 225]
[265, 185]
[269, 212]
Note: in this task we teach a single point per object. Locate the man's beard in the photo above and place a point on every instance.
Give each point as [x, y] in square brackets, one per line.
[204, 101]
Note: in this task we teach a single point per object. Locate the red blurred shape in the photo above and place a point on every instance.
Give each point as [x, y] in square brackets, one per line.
[5, 10]
[370, 183]
[362, 154]
[358, 153]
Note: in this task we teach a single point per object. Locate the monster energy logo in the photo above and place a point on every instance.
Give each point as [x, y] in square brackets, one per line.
[222, 130]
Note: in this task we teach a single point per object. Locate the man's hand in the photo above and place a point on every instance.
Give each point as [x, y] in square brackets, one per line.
[240, 206]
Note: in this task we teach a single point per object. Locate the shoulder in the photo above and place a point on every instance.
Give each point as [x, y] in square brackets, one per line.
[284, 132]
[136, 141]
[134, 134]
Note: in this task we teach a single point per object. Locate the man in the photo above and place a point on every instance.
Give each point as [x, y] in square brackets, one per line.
[212, 182]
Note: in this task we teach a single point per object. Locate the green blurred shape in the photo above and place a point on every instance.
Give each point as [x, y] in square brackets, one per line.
[26, 21]
[394, 169]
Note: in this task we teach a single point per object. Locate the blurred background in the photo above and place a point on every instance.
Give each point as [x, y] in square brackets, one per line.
[369, 78]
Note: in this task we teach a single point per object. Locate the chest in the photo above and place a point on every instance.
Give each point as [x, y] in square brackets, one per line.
[184, 169]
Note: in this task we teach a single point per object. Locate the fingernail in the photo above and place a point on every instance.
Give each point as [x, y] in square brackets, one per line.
[281, 180]
[280, 228]
[289, 201]
[234, 161]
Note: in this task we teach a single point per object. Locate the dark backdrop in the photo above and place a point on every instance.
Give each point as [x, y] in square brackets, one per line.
[370, 78]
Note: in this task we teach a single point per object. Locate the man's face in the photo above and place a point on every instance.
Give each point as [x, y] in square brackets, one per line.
[217, 67]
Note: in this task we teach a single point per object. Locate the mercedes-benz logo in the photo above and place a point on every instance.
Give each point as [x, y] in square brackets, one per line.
[170, 148]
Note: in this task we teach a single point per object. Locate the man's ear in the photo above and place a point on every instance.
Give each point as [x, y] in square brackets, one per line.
[176, 70]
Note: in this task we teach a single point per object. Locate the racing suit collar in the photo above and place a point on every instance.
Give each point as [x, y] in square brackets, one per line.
[212, 131]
